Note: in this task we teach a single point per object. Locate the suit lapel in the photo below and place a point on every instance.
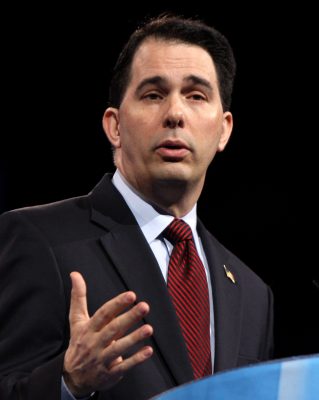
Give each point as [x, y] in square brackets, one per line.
[138, 268]
[227, 302]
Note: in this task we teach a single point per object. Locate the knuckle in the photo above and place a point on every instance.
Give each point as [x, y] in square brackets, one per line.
[135, 314]
[114, 327]
[104, 312]
[113, 348]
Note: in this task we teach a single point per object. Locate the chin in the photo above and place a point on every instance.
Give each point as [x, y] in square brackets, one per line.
[172, 175]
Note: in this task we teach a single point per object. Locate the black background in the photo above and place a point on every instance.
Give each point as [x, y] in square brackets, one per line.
[259, 198]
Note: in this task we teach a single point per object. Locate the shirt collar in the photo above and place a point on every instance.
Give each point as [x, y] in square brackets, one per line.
[151, 222]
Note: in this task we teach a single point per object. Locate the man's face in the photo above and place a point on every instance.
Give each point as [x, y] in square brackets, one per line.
[170, 123]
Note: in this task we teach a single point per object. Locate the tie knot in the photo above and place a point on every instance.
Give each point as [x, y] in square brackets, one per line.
[177, 231]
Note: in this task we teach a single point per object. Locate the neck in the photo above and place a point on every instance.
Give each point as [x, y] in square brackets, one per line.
[173, 198]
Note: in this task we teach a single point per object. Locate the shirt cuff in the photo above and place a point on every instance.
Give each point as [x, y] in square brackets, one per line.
[67, 395]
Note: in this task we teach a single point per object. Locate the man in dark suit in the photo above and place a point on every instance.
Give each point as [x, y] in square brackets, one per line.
[117, 334]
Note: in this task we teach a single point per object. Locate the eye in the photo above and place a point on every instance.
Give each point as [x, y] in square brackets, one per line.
[197, 97]
[152, 96]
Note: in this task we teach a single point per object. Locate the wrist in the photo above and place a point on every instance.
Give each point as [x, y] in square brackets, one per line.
[77, 391]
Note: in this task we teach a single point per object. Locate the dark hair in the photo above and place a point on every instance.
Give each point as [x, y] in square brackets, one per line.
[184, 30]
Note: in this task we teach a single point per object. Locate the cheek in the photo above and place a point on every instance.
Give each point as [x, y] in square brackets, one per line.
[134, 123]
[211, 131]
[210, 138]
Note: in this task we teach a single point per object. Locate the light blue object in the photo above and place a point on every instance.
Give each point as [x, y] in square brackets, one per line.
[294, 378]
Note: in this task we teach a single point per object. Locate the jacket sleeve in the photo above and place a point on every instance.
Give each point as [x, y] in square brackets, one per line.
[32, 313]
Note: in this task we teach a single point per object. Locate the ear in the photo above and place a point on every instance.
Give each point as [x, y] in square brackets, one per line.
[110, 124]
[226, 130]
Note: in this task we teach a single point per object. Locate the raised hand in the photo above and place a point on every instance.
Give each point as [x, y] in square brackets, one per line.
[93, 360]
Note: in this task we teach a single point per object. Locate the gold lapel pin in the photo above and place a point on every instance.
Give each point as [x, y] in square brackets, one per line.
[229, 274]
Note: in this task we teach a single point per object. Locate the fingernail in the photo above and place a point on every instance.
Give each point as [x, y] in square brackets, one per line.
[146, 333]
[129, 297]
[148, 351]
[142, 312]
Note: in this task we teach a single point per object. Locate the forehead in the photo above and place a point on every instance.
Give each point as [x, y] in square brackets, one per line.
[171, 60]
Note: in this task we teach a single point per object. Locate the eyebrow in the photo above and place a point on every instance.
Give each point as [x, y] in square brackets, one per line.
[160, 81]
[153, 80]
[197, 80]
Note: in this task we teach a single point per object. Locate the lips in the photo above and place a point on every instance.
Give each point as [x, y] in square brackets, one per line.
[173, 150]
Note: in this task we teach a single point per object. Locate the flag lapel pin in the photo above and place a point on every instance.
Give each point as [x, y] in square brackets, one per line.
[229, 274]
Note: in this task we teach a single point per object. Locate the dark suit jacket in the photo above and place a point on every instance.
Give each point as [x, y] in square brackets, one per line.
[98, 236]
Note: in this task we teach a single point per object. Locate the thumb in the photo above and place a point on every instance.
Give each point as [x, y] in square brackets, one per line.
[78, 305]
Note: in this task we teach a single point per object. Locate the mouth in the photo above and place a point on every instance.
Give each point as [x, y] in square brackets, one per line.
[173, 150]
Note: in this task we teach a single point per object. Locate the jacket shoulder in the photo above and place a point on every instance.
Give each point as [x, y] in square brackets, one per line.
[61, 219]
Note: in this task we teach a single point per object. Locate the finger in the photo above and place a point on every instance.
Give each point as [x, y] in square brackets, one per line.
[118, 370]
[120, 347]
[78, 306]
[121, 324]
[111, 309]
[117, 360]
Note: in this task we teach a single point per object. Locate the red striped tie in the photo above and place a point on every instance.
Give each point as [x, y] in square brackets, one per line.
[188, 288]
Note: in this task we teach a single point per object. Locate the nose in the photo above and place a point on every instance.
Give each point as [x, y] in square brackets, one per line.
[174, 117]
